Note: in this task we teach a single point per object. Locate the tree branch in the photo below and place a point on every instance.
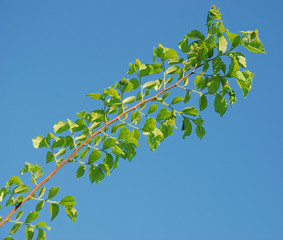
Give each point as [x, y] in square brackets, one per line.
[6, 219]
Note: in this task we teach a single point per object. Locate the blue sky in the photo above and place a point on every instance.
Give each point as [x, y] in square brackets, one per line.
[227, 186]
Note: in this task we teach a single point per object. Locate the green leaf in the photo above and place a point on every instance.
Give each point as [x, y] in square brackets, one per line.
[54, 210]
[169, 80]
[61, 152]
[21, 189]
[156, 68]
[169, 54]
[19, 214]
[165, 95]
[61, 126]
[43, 224]
[200, 131]
[108, 159]
[68, 201]
[136, 134]
[82, 114]
[222, 44]
[81, 171]
[84, 153]
[173, 70]
[19, 198]
[205, 66]
[217, 64]
[95, 96]
[132, 69]
[15, 228]
[49, 157]
[127, 87]
[183, 45]
[31, 217]
[29, 232]
[149, 125]
[53, 192]
[200, 82]
[190, 111]
[8, 238]
[41, 234]
[164, 53]
[133, 141]
[149, 85]
[10, 201]
[40, 142]
[187, 96]
[114, 93]
[176, 100]
[3, 193]
[213, 84]
[94, 156]
[72, 213]
[152, 108]
[202, 102]
[124, 133]
[81, 137]
[240, 58]
[117, 150]
[164, 113]
[108, 143]
[136, 117]
[39, 206]
[195, 34]
[96, 140]
[129, 99]
[95, 174]
[187, 127]
[58, 142]
[135, 83]
[220, 105]
[254, 47]
[14, 180]
[81, 125]
[244, 79]
[252, 42]
[41, 192]
[235, 39]
[198, 122]
[233, 68]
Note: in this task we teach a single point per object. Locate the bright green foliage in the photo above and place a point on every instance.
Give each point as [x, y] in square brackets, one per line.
[54, 210]
[31, 217]
[29, 232]
[15, 228]
[202, 102]
[152, 108]
[53, 192]
[220, 105]
[40, 205]
[164, 113]
[72, 213]
[81, 171]
[200, 82]
[190, 111]
[68, 201]
[139, 107]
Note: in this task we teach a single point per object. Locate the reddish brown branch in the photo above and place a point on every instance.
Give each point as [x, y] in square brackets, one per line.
[6, 219]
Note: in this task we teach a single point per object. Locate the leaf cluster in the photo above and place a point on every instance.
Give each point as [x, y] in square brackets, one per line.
[133, 108]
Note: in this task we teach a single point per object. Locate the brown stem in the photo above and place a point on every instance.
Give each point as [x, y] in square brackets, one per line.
[6, 219]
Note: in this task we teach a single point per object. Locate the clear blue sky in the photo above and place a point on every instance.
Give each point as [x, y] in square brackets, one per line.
[228, 186]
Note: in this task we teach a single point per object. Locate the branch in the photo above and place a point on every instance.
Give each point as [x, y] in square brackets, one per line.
[6, 219]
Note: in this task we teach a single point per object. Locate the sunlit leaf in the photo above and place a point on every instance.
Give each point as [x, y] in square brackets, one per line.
[54, 210]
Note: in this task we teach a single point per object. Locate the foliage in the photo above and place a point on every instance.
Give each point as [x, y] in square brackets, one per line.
[97, 140]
